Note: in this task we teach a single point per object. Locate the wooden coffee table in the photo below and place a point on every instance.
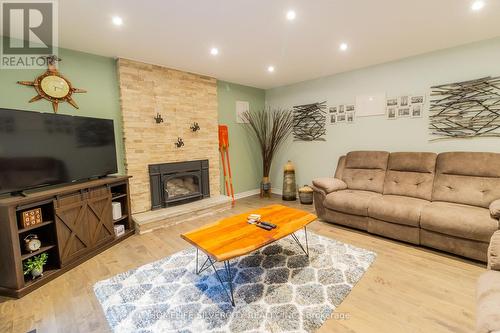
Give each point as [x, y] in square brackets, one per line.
[233, 237]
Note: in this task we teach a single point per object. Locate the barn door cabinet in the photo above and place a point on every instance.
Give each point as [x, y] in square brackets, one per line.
[83, 222]
[77, 224]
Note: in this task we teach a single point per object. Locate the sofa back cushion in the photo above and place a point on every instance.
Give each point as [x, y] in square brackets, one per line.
[365, 170]
[410, 175]
[340, 167]
[467, 178]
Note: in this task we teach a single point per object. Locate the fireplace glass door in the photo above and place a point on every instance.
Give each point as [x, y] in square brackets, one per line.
[181, 186]
[178, 183]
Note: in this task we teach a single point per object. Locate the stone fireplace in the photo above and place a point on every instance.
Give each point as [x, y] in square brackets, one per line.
[178, 183]
[182, 99]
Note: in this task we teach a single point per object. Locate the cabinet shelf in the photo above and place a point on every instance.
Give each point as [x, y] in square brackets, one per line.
[127, 233]
[46, 275]
[36, 226]
[41, 250]
[125, 216]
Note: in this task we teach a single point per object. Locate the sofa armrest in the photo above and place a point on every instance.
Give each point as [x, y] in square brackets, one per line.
[494, 252]
[329, 185]
[319, 190]
[495, 209]
[488, 303]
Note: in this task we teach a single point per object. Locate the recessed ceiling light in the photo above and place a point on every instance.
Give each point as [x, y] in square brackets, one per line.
[290, 15]
[270, 69]
[343, 47]
[117, 20]
[477, 5]
[214, 51]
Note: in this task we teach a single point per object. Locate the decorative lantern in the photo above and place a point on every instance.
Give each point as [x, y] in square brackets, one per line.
[289, 187]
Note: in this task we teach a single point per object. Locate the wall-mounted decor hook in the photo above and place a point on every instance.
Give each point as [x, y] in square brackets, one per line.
[195, 127]
[158, 118]
[179, 143]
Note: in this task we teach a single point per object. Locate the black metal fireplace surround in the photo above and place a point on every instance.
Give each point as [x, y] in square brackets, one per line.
[178, 183]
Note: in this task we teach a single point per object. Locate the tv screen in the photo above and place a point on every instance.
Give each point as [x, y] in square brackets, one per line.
[39, 149]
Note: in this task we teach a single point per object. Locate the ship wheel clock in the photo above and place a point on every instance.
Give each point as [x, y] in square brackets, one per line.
[53, 87]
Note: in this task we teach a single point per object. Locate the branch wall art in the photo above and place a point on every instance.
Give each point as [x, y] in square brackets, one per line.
[309, 122]
[466, 109]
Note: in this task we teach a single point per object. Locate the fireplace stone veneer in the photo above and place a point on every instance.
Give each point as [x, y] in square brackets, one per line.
[177, 183]
[182, 98]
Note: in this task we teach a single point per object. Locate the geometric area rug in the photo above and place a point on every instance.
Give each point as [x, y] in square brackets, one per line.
[276, 289]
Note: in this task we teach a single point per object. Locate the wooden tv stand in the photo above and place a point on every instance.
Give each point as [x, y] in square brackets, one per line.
[77, 224]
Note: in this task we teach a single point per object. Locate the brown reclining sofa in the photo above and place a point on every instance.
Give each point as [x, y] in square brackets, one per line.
[448, 201]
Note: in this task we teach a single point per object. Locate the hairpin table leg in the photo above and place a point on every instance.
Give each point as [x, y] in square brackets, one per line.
[295, 238]
[227, 268]
[203, 267]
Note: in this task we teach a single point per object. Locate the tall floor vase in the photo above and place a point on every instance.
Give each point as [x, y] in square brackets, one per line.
[289, 186]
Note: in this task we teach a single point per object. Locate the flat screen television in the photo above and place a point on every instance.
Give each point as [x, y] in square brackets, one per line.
[41, 149]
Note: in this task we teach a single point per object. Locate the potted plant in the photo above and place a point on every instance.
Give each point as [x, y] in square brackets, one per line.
[270, 127]
[35, 265]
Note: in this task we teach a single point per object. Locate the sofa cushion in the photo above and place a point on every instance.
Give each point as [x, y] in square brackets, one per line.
[458, 220]
[397, 209]
[412, 162]
[488, 302]
[348, 220]
[410, 174]
[365, 170]
[467, 178]
[400, 232]
[329, 184]
[458, 245]
[350, 201]
[367, 160]
[340, 167]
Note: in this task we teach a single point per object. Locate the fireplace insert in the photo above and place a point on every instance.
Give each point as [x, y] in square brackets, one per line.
[178, 183]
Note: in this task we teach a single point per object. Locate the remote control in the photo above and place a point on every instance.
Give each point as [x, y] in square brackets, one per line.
[266, 227]
[269, 224]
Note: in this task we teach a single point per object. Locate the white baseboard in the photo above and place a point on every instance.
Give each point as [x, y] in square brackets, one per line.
[277, 191]
[249, 193]
[245, 194]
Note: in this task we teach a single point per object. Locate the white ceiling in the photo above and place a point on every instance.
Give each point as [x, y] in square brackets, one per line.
[253, 34]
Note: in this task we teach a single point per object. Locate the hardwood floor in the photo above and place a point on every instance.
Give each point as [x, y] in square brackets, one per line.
[407, 289]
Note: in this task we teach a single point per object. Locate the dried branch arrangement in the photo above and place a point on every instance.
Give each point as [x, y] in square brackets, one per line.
[466, 109]
[271, 127]
[309, 122]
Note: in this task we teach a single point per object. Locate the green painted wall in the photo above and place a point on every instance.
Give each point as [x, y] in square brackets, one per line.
[413, 75]
[94, 73]
[98, 76]
[246, 164]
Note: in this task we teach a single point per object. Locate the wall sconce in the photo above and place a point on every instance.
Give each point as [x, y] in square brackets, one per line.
[179, 143]
[195, 127]
[158, 118]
